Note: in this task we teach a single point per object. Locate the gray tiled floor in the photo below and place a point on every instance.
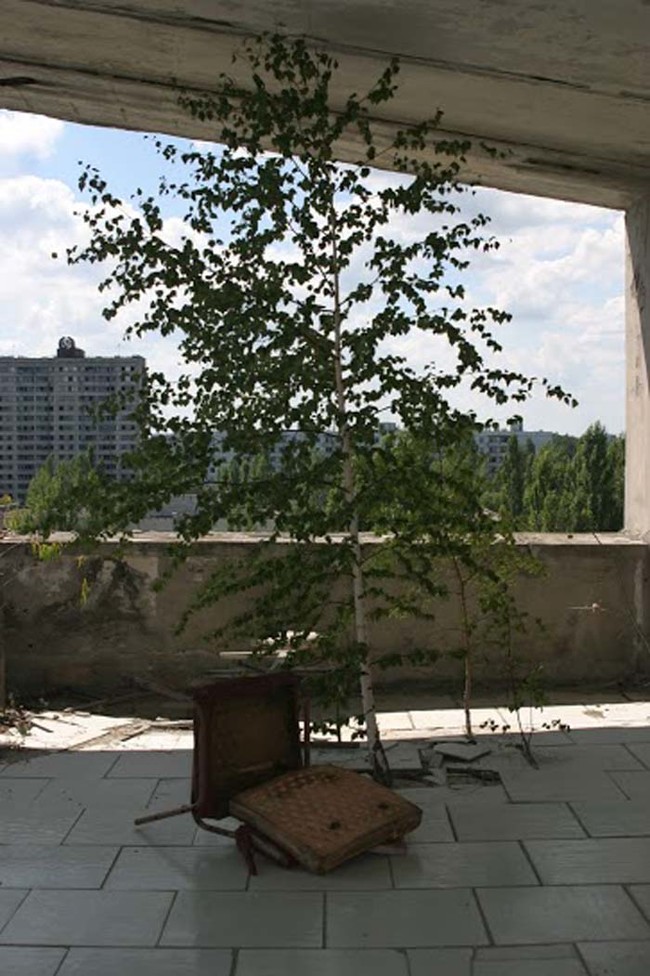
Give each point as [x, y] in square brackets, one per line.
[24, 961]
[389, 919]
[550, 875]
[63, 765]
[515, 822]
[642, 752]
[79, 918]
[178, 869]
[20, 790]
[616, 958]
[635, 785]
[114, 825]
[246, 919]
[147, 962]
[31, 823]
[613, 818]
[560, 960]
[561, 914]
[623, 860]
[49, 866]
[9, 902]
[153, 765]
[368, 873]
[465, 865]
[321, 962]
[447, 962]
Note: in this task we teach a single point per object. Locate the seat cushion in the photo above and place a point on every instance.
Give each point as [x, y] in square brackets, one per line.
[324, 815]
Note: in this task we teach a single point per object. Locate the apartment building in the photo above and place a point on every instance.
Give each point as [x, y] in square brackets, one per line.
[494, 443]
[46, 409]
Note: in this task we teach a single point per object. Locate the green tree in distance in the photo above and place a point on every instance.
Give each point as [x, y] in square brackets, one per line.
[55, 498]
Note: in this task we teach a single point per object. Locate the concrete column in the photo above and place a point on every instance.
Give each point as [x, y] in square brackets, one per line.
[637, 341]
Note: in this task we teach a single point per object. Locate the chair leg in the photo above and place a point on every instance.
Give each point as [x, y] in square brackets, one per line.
[176, 812]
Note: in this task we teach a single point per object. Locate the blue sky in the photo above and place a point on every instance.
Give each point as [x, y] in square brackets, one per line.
[559, 271]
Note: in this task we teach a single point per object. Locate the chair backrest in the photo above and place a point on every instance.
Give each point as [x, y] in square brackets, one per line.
[246, 732]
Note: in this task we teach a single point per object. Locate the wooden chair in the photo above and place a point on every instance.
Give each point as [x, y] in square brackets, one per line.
[249, 762]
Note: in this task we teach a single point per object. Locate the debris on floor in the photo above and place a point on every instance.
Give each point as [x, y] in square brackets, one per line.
[461, 751]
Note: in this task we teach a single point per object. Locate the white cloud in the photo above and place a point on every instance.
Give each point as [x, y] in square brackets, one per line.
[22, 134]
[42, 298]
[559, 271]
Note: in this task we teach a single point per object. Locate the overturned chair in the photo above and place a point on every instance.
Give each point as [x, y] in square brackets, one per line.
[249, 763]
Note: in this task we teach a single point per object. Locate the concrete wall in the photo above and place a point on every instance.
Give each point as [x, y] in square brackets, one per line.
[57, 643]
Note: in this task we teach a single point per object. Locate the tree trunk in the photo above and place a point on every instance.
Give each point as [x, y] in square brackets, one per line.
[3, 674]
[467, 650]
[376, 753]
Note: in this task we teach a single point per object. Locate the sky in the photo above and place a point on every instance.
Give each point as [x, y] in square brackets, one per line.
[558, 271]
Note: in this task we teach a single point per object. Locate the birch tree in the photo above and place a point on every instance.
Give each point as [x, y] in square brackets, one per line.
[293, 294]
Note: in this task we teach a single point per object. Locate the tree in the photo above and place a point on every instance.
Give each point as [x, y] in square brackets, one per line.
[594, 501]
[548, 496]
[289, 293]
[55, 498]
[511, 481]
[616, 461]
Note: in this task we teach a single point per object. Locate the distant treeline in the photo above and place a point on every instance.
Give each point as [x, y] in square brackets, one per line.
[571, 484]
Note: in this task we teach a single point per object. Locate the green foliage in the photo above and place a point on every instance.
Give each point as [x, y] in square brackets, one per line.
[288, 295]
[59, 498]
[570, 485]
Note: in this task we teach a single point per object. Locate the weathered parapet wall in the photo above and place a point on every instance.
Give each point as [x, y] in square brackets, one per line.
[55, 641]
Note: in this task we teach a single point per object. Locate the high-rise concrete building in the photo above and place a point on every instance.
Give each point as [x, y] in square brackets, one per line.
[46, 409]
[494, 443]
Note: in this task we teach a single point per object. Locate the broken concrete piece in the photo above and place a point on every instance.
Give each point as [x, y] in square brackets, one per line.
[461, 751]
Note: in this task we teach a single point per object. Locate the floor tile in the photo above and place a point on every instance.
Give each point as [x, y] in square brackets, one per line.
[370, 872]
[20, 789]
[616, 958]
[246, 920]
[435, 796]
[169, 793]
[28, 961]
[515, 821]
[622, 860]
[561, 914]
[446, 962]
[615, 818]
[321, 962]
[537, 785]
[435, 825]
[178, 869]
[642, 752]
[611, 735]
[147, 962]
[403, 919]
[602, 756]
[115, 826]
[404, 755]
[636, 786]
[467, 865]
[98, 793]
[641, 894]
[560, 960]
[530, 967]
[153, 765]
[30, 823]
[63, 765]
[508, 953]
[49, 866]
[9, 902]
[78, 918]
